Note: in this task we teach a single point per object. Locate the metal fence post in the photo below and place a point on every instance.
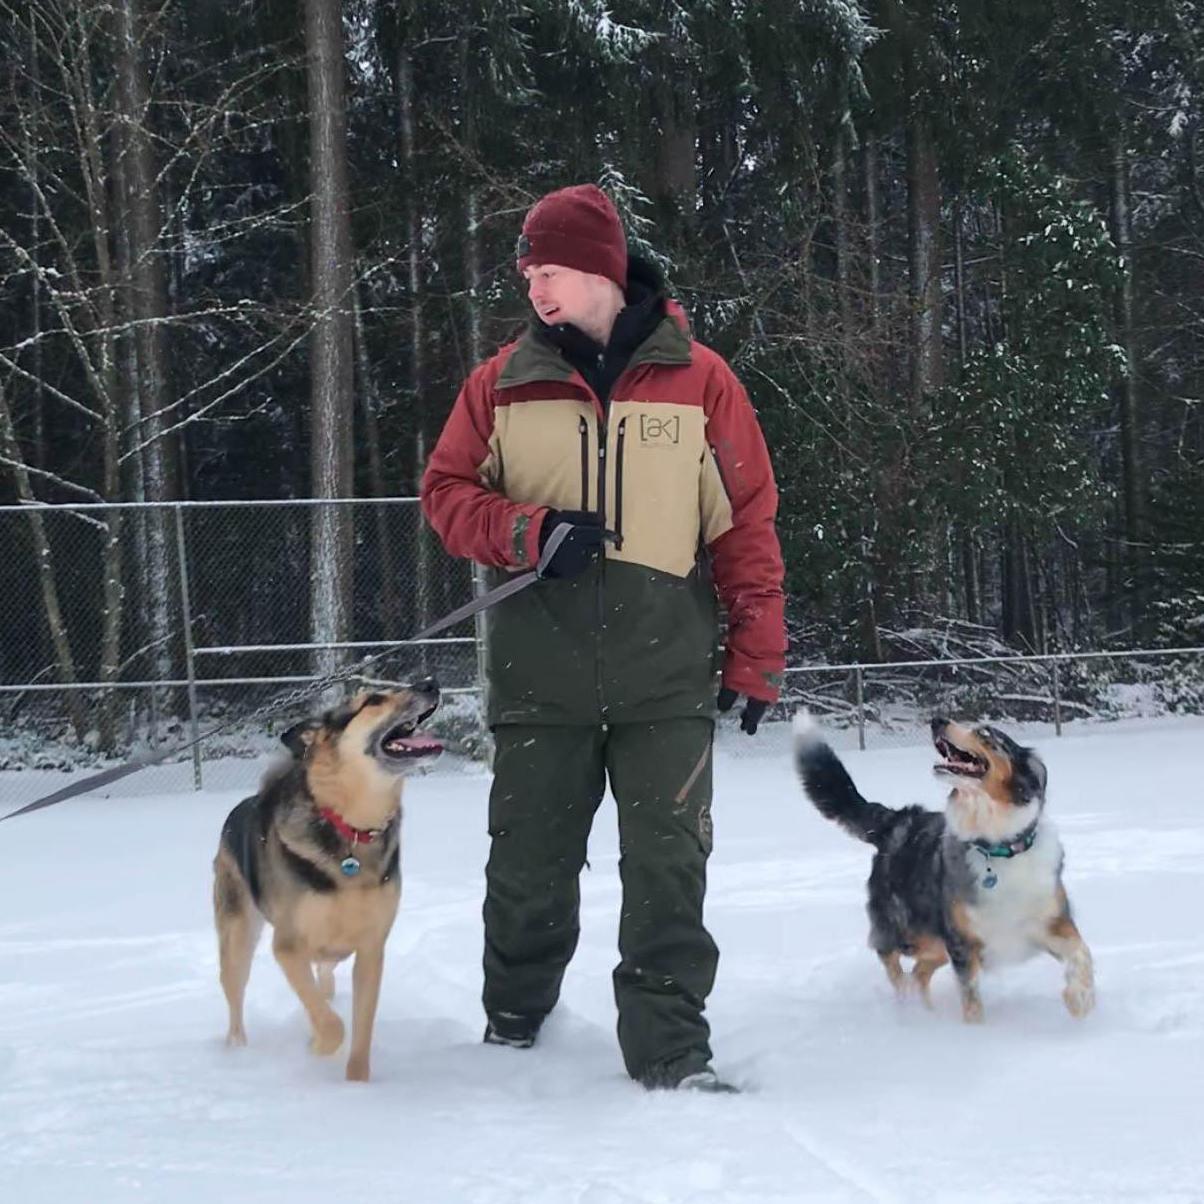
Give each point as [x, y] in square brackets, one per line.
[860, 710]
[1057, 697]
[189, 655]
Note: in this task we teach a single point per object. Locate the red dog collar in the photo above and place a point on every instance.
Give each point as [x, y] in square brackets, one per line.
[346, 831]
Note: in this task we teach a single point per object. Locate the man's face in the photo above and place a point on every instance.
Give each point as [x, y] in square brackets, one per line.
[559, 294]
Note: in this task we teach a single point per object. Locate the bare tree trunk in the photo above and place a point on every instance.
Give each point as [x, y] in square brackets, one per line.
[674, 111]
[35, 215]
[718, 151]
[1019, 620]
[807, 281]
[104, 372]
[964, 538]
[476, 341]
[386, 545]
[959, 290]
[871, 641]
[423, 585]
[840, 219]
[872, 222]
[1129, 389]
[924, 216]
[148, 307]
[55, 621]
[331, 357]
[969, 565]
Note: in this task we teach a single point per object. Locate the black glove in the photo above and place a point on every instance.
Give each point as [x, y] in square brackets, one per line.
[753, 713]
[577, 550]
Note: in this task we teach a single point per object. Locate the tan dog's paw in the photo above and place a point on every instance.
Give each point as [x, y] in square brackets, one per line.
[328, 1037]
[357, 1068]
[236, 1038]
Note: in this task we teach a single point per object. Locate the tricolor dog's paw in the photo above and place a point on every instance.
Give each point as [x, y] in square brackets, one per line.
[1079, 998]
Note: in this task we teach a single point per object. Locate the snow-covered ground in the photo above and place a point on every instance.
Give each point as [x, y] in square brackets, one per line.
[115, 1084]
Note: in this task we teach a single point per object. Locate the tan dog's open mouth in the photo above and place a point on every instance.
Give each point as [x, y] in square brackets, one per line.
[403, 742]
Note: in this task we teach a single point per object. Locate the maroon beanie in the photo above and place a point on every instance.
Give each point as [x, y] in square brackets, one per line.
[575, 227]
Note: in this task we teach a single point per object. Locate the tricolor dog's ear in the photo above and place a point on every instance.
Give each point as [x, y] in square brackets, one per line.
[1029, 776]
[300, 736]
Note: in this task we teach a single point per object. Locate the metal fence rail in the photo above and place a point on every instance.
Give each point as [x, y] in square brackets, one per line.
[886, 698]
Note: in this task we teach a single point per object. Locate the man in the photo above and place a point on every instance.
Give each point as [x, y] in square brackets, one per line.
[607, 424]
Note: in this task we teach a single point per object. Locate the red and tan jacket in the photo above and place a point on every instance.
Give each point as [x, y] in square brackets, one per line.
[675, 463]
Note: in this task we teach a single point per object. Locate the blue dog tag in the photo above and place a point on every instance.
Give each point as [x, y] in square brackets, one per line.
[350, 866]
[989, 881]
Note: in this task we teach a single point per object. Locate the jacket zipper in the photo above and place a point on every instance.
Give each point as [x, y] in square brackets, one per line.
[619, 483]
[719, 470]
[583, 430]
[604, 403]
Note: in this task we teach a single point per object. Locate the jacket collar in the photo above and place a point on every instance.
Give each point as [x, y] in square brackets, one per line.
[536, 357]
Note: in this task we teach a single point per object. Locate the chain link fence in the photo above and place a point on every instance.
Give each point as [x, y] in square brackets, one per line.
[127, 627]
[889, 704]
[130, 626]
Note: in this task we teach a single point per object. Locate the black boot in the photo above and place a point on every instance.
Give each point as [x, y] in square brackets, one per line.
[706, 1080]
[681, 1075]
[513, 1029]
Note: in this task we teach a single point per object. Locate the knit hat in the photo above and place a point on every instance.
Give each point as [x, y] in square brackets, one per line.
[575, 227]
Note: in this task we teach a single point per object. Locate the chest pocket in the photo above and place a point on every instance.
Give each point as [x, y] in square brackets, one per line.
[545, 452]
[653, 479]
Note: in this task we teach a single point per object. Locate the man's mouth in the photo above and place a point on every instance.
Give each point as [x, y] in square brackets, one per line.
[957, 761]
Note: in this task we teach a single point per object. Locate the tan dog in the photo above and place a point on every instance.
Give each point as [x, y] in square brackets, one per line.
[317, 854]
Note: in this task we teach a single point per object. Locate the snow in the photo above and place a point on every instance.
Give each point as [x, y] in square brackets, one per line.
[115, 1084]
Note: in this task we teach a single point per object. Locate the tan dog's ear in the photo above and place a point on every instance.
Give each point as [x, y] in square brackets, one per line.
[300, 736]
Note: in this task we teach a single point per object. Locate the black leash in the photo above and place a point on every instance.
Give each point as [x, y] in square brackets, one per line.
[318, 686]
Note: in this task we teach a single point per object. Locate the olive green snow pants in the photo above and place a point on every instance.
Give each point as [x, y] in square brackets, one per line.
[548, 782]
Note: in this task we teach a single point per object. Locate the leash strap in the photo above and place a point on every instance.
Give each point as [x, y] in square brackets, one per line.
[286, 701]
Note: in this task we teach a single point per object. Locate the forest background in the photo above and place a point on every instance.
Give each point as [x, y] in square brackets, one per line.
[250, 248]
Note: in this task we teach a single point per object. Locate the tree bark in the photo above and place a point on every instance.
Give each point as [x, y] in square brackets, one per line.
[1019, 618]
[147, 306]
[32, 157]
[924, 216]
[840, 220]
[104, 373]
[959, 289]
[56, 623]
[969, 565]
[1128, 389]
[872, 223]
[386, 544]
[331, 354]
[675, 126]
[472, 280]
[423, 536]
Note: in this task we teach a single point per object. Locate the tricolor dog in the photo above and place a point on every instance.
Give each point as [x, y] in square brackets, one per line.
[977, 886]
[316, 853]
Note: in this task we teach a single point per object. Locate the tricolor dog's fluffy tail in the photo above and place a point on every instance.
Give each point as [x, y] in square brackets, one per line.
[829, 787]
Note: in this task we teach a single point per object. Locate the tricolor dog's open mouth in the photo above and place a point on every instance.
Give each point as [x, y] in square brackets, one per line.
[402, 742]
[958, 761]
